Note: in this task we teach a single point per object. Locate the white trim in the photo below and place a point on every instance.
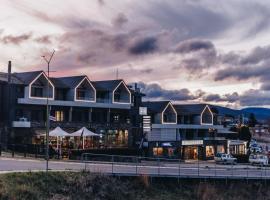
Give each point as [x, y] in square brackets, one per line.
[30, 86]
[122, 82]
[75, 91]
[162, 118]
[211, 115]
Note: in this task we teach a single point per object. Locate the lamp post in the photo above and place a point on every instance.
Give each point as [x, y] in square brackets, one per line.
[48, 61]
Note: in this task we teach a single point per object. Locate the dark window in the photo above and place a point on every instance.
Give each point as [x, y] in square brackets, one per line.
[37, 91]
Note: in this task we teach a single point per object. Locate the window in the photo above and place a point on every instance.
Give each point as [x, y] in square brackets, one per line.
[37, 91]
[157, 151]
[115, 118]
[128, 120]
[210, 151]
[220, 149]
[59, 115]
[80, 94]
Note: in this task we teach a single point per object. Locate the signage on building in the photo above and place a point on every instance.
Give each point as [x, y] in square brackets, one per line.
[147, 123]
[142, 110]
[192, 142]
[166, 144]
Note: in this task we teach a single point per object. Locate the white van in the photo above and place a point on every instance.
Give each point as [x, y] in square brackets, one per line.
[258, 159]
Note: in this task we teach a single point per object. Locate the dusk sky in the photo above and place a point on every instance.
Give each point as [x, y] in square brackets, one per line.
[181, 50]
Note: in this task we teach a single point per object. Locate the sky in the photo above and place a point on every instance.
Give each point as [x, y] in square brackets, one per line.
[187, 51]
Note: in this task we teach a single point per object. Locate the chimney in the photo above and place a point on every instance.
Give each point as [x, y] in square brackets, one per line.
[9, 71]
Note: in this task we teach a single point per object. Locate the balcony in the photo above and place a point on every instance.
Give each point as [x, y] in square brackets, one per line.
[21, 124]
[78, 125]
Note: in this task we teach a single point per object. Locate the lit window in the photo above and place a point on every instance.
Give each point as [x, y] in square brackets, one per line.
[210, 151]
[157, 151]
[59, 115]
[116, 118]
[220, 149]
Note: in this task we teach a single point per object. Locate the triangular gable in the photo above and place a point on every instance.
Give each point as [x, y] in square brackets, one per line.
[78, 85]
[122, 83]
[169, 104]
[207, 108]
[33, 81]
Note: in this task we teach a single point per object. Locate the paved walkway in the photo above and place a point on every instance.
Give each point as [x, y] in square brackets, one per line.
[191, 170]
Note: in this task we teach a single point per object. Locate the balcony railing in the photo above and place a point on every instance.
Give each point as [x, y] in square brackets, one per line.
[21, 124]
[92, 125]
[101, 100]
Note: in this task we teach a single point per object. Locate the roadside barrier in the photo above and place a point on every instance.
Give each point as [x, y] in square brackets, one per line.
[165, 167]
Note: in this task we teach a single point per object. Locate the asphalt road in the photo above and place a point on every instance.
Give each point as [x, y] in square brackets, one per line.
[192, 170]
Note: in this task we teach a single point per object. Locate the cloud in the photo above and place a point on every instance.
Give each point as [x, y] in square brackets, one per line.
[16, 39]
[144, 46]
[101, 2]
[120, 20]
[255, 98]
[155, 91]
[44, 39]
[192, 45]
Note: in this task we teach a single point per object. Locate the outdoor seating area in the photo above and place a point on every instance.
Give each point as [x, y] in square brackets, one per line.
[62, 142]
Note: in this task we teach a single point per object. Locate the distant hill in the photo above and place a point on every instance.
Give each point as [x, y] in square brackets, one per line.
[260, 113]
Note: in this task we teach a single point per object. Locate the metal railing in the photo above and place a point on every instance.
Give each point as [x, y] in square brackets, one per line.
[162, 167]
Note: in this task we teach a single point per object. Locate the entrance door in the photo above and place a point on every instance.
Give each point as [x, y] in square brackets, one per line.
[191, 153]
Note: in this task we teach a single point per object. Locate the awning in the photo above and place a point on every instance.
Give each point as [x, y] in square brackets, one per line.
[58, 132]
[83, 132]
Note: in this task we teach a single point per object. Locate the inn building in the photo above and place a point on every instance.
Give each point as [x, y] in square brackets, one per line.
[188, 131]
[112, 109]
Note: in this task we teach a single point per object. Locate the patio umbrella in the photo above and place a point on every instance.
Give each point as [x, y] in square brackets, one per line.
[84, 132]
[58, 132]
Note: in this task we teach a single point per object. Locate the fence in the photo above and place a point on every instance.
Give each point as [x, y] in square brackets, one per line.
[26, 150]
[161, 167]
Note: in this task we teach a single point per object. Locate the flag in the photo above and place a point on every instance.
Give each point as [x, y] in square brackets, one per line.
[52, 118]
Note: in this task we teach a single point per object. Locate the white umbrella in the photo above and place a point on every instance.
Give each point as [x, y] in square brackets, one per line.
[84, 132]
[58, 132]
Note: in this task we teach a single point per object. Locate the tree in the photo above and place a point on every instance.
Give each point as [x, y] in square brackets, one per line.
[252, 121]
[244, 133]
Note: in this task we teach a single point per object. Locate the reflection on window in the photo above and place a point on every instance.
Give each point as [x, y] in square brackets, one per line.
[116, 138]
[220, 149]
[237, 149]
[59, 115]
[210, 151]
[157, 151]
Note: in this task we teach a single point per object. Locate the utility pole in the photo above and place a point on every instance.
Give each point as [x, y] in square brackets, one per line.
[48, 61]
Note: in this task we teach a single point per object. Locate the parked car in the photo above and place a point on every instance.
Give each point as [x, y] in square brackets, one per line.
[256, 149]
[225, 158]
[258, 159]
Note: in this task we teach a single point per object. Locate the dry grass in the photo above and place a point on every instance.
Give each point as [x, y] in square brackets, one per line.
[69, 186]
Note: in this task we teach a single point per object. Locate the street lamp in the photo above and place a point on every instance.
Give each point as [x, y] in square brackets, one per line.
[48, 61]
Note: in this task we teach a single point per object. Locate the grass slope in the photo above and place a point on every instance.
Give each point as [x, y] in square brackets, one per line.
[68, 185]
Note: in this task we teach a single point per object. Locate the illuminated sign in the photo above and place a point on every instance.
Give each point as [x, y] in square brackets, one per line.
[192, 142]
[143, 110]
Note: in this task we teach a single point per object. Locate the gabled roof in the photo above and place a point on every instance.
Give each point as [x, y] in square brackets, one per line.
[67, 82]
[14, 80]
[193, 109]
[27, 77]
[155, 106]
[58, 83]
[108, 85]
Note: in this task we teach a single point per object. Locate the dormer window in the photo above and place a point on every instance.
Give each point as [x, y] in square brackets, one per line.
[85, 91]
[38, 87]
[169, 115]
[121, 94]
[207, 116]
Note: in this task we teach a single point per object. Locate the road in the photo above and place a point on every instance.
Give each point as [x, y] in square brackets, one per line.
[186, 170]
